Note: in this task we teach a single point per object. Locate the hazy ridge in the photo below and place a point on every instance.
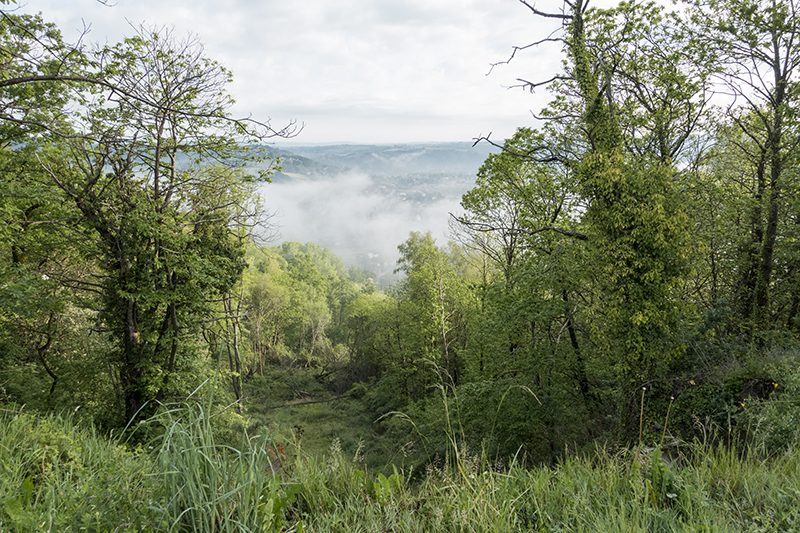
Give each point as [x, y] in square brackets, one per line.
[361, 201]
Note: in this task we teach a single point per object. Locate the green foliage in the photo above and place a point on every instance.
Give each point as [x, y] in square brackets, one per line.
[732, 401]
[59, 475]
[506, 419]
[637, 239]
[386, 490]
[519, 203]
[297, 297]
[169, 233]
[432, 306]
[100, 487]
[758, 37]
[768, 409]
[637, 229]
[33, 51]
[368, 324]
[130, 203]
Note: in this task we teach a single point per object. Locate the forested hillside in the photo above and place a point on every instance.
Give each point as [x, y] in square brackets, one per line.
[317, 161]
[395, 159]
[617, 306]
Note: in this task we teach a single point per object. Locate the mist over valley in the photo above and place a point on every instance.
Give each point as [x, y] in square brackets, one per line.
[361, 201]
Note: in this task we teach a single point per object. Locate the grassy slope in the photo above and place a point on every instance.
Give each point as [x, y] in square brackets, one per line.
[61, 477]
[314, 427]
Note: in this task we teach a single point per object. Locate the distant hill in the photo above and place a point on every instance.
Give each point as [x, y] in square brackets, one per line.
[361, 201]
[460, 160]
[295, 166]
[394, 159]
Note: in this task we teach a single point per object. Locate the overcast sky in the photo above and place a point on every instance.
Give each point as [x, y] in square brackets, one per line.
[365, 71]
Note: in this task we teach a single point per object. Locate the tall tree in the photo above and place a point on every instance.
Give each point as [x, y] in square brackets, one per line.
[632, 112]
[758, 46]
[161, 198]
[524, 215]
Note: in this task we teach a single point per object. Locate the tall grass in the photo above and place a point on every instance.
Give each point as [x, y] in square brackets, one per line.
[57, 476]
[210, 487]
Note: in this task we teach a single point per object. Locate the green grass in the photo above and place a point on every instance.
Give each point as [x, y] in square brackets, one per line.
[59, 476]
[314, 427]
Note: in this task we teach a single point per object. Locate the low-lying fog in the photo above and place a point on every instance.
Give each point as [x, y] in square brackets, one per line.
[361, 218]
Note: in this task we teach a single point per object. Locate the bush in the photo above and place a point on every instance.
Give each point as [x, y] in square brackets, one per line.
[61, 476]
[769, 410]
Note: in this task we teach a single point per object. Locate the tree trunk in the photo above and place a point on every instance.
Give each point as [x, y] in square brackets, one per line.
[234, 359]
[132, 373]
[762, 296]
[41, 350]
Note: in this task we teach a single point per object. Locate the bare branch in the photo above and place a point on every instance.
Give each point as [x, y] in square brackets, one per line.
[515, 49]
[561, 16]
[530, 85]
[549, 157]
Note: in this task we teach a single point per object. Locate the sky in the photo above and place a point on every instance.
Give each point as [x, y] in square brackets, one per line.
[352, 71]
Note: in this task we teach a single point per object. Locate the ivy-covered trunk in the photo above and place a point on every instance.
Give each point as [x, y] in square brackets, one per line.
[636, 225]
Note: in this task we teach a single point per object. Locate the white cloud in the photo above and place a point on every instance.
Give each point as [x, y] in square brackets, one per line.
[352, 70]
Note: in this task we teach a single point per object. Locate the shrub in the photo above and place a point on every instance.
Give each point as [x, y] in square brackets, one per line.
[769, 410]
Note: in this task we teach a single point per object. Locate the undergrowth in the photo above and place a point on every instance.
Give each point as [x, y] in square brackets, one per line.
[61, 476]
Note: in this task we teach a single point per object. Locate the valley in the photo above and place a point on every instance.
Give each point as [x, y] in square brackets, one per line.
[361, 201]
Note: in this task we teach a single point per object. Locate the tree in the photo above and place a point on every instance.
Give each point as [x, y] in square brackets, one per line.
[524, 215]
[268, 301]
[370, 335]
[758, 46]
[162, 202]
[136, 166]
[36, 259]
[432, 309]
[518, 199]
[633, 110]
